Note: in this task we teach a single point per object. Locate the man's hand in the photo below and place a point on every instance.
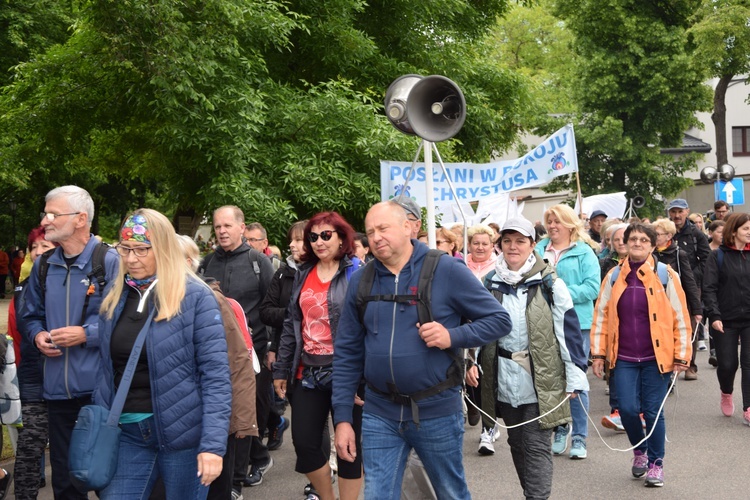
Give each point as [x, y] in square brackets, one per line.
[45, 345]
[472, 376]
[68, 336]
[346, 445]
[698, 318]
[270, 360]
[209, 467]
[279, 385]
[435, 335]
[597, 366]
[718, 326]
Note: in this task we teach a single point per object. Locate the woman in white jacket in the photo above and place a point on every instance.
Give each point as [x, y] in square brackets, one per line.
[529, 372]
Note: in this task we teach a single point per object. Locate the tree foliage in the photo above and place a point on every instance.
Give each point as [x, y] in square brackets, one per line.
[636, 90]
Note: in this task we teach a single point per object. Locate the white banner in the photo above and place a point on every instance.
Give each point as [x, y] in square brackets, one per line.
[555, 156]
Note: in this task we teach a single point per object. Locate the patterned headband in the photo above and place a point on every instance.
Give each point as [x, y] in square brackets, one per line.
[135, 229]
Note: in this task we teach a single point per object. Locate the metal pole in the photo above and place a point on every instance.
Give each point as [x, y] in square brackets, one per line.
[430, 195]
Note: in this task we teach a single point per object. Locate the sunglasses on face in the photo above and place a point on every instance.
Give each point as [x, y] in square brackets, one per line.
[325, 235]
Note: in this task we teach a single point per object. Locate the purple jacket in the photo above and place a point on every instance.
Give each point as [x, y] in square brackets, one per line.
[635, 328]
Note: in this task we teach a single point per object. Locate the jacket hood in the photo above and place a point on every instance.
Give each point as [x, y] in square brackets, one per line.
[537, 270]
[244, 247]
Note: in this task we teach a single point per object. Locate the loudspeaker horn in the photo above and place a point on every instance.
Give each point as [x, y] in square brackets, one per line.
[639, 202]
[395, 102]
[432, 107]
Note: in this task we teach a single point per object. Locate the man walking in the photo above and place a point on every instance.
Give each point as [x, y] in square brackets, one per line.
[244, 274]
[413, 399]
[61, 318]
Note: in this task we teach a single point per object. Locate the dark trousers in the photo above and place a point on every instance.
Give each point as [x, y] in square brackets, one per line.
[726, 355]
[32, 440]
[221, 487]
[62, 418]
[530, 448]
[263, 386]
[241, 458]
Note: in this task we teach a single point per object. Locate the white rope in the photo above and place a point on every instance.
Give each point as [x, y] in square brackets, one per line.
[497, 422]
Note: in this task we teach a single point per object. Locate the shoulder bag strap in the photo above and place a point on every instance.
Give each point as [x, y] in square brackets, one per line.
[127, 377]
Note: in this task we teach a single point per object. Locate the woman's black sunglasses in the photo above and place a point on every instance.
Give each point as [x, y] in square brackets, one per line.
[326, 235]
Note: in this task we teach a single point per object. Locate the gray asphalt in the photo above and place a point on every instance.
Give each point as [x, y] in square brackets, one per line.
[707, 455]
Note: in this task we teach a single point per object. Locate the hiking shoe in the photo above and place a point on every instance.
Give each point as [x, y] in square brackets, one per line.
[727, 404]
[655, 476]
[255, 477]
[485, 442]
[5, 484]
[747, 416]
[560, 441]
[640, 463]
[691, 373]
[702, 345]
[578, 448]
[613, 421]
[276, 437]
[712, 358]
[236, 495]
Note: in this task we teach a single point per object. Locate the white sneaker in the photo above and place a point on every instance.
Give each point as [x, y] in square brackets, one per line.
[702, 345]
[496, 432]
[485, 442]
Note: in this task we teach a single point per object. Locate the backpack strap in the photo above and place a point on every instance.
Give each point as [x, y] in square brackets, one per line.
[661, 271]
[719, 258]
[97, 272]
[43, 268]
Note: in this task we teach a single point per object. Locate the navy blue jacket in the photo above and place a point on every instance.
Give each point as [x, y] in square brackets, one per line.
[388, 348]
[191, 392]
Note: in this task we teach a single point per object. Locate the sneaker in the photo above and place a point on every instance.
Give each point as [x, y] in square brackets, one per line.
[236, 495]
[560, 442]
[578, 448]
[485, 442]
[643, 420]
[655, 476]
[495, 432]
[640, 463]
[712, 358]
[276, 437]
[747, 416]
[702, 345]
[613, 421]
[727, 404]
[606, 390]
[5, 484]
[255, 477]
[691, 373]
[312, 496]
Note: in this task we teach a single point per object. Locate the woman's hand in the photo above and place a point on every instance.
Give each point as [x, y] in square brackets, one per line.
[472, 376]
[718, 326]
[679, 367]
[572, 395]
[358, 401]
[270, 360]
[597, 366]
[209, 467]
[279, 385]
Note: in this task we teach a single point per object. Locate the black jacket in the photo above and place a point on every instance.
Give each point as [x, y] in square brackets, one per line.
[235, 272]
[274, 305]
[694, 243]
[726, 291]
[675, 257]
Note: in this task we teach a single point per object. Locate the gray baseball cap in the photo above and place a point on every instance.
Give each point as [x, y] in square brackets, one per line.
[409, 205]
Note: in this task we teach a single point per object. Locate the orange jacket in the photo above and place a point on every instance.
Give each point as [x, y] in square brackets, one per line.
[670, 322]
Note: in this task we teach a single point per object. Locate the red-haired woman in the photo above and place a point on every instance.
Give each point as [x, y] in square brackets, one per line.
[306, 351]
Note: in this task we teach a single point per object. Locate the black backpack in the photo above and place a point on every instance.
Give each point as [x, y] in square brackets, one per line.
[423, 297]
[98, 273]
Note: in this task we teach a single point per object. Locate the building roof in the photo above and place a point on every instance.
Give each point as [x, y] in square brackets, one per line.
[690, 144]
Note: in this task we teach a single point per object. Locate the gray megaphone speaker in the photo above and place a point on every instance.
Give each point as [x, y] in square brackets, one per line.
[639, 202]
[431, 107]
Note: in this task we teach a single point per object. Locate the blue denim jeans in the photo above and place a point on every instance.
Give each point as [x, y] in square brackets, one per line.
[141, 463]
[642, 388]
[580, 420]
[438, 442]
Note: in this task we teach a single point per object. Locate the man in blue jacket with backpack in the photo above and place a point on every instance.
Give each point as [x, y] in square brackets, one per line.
[403, 334]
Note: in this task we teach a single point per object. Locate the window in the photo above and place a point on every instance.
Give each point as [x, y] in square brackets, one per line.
[740, 141]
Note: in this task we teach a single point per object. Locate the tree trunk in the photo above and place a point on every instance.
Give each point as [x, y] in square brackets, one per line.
[719, 117]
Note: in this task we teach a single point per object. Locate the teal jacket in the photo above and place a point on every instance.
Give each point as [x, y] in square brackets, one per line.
[579, 269]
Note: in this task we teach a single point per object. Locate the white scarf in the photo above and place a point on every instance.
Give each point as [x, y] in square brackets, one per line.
[513, 277]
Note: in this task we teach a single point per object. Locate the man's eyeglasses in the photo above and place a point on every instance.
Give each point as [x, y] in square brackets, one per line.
[325, 235]
[255, 240]
[138, 251]
[51, 217]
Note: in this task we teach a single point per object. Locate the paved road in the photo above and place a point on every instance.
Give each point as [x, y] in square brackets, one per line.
[707, 454]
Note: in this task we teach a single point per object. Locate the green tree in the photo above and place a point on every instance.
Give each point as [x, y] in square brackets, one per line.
[722, 50]
[275, 107]
[637, 91]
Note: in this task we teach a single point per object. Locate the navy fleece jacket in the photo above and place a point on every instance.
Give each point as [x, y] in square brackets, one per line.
[388, 348]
